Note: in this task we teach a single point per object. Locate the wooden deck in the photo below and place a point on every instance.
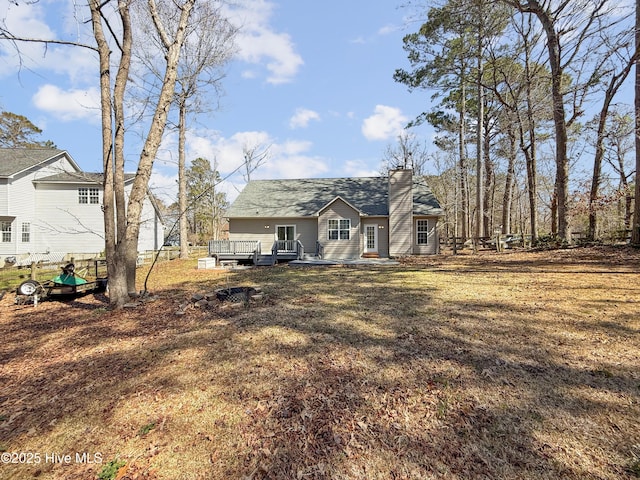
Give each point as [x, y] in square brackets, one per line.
[250, 251]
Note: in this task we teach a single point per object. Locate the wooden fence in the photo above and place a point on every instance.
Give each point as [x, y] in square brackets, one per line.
[11, 276]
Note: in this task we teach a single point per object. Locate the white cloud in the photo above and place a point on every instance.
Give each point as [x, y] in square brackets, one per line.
[259, 44]
[290, 159]
[302, 117]
[386, 122]
[30, 21]
[358, 168]
[287, 159]
[71, 104]
[387, 29]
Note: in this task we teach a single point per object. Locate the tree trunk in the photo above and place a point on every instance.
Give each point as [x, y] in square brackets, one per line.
[561, 196]
[112, 208]
[635, 228]
[479, 230]
[121, 246]
[562, 164]
[595, 178]
[182, 181]
[554, 213]
[528, 144]
[464, 210]
[613, 87]
[508, 185]
[489, 188]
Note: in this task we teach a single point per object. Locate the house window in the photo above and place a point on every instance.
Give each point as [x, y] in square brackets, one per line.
[339, 229]
[88, 195]
[26, 232]
[422, 232]
[5, 231]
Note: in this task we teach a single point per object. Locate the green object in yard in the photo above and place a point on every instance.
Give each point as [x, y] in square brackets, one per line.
[67, 279]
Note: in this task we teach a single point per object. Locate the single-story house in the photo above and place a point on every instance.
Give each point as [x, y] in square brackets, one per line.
[50, 208]
[334, 218]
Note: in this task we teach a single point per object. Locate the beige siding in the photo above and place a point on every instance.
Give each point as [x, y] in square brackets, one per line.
[340, 248]
[400, 212]
[433, 242]
[264, 231]
[383, 233]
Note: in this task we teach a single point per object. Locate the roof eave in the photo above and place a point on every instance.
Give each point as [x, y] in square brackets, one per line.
[338, 197]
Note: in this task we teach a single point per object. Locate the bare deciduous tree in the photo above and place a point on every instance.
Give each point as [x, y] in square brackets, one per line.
[408, 152]
[635, 228]
[112, 29]
[254, 156]
[574, 47]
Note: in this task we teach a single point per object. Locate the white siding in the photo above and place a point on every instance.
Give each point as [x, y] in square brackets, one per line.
[151, 228]
[4, 197]
[59, 222]
[63, 224]
[21, 205]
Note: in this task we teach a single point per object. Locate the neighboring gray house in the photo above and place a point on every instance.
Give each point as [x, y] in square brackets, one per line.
[50, 208]
[336, 218]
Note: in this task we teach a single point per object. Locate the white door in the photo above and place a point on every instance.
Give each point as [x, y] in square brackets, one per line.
[371, 239]
[286, 236]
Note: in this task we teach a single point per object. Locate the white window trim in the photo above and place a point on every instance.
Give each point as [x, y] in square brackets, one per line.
[339, 230]
[25, 230]
[88, 196]
[286, 226]
[6, 228]
[427, 231]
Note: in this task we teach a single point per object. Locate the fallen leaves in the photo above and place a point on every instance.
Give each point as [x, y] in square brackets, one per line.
[514, 365]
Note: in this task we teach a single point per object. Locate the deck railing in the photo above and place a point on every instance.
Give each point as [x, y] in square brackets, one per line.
[288, 247]
[234, 247]
[252, 249]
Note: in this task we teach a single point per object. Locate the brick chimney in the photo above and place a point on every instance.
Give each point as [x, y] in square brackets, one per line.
[400, 212]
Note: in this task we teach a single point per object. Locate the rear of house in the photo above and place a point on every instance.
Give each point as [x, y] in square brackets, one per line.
[339, 218]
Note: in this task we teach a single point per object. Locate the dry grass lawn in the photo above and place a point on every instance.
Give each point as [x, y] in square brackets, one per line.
[490, 366]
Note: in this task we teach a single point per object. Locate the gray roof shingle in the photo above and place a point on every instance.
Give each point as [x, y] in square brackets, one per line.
[15, 160]
[306, 197]
[79, 177]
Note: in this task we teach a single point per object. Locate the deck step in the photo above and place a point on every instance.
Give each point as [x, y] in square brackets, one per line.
[264, 260]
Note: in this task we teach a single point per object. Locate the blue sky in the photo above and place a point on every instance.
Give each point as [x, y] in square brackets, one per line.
[313, 81]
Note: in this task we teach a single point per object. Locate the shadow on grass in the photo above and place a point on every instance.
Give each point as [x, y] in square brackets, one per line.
[342, 373]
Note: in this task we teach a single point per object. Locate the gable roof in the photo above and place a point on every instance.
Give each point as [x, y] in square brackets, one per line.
[339, 198]
[307, 197]
[16, 160]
